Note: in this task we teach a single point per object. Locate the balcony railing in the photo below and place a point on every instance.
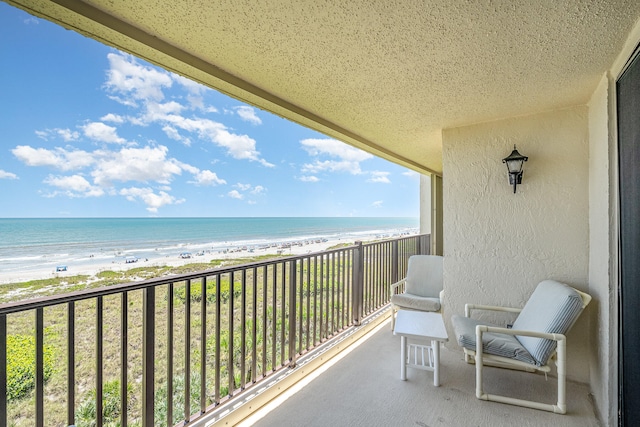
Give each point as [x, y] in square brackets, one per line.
[176, 348]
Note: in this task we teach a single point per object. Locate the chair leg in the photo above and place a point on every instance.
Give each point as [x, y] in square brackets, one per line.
[479, 393]
[562, 377]
[393, 316]
[559, 408]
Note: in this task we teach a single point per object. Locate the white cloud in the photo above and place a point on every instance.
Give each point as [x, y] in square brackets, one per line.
[136, 164]
[173, 133]
[58, 158]
[42, 134]
[185, 166]
[7, 175]
[379, 177]
[235, 194]
[309, 178]
[377, 204]
[147, 196]
[334, 148]
[123, 101]
[194, 97]
[128, 78]
[98, 131]
[411, 174]
[66, 134]
[332, 166]
[113, 118]
[157, 112]
[148, 164]
[248, 114]
[131, 83]
[258, 189]
[206, 177]
[239, 146]
[348, 158]
[74, 186]
[190, 86]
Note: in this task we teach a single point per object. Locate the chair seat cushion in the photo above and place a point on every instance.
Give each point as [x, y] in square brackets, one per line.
[492, 343]
[414, 302]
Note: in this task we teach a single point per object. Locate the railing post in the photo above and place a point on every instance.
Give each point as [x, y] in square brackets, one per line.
[394, 261]
[3, 370]
[71, 364]
[292, 313]
[39, 367]
[124, 359]
[99, 361]
[358, 283]
[148, 355]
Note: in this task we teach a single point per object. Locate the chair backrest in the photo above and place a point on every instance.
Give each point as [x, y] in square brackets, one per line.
[424, 275]
[552, 308]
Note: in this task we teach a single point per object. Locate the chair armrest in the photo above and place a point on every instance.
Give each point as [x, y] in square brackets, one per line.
[394, 286]
[561, 350]
[469, 307]
[480, 329]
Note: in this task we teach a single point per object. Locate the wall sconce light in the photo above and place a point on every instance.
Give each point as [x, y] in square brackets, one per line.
[514, 162]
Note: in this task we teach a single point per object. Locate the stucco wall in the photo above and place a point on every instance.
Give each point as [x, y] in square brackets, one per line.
[603, 356]
[498, 245]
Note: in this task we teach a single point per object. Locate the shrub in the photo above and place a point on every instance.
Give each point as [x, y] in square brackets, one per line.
[196, 291]
[86, 415]
[21, 365]
[160, 407]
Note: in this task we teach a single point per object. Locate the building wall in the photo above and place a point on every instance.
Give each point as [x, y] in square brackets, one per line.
[603, 355]
[498, 245]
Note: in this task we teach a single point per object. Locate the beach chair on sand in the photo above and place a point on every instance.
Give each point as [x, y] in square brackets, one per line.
[536, 338]
[422, 286]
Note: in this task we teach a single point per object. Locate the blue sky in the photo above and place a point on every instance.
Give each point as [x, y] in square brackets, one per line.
[88, 131]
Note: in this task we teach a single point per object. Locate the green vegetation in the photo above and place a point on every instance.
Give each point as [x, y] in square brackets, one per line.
[321, 294]
[196, 291]
[86, 412]
[21, 365]
[42, 287]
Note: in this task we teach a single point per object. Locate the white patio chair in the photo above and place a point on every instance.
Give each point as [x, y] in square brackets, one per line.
[536, 338]
[422, 286]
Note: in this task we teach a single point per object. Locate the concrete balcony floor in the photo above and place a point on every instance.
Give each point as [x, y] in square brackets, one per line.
[364, 389]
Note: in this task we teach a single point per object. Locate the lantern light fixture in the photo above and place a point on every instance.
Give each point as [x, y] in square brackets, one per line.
[514, 162]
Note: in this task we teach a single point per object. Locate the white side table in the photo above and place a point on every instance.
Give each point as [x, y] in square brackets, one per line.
[428, 330]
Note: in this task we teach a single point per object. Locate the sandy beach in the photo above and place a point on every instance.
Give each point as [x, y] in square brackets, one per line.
[92, 267]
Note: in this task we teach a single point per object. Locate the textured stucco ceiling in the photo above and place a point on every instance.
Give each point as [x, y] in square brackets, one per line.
[383, 75]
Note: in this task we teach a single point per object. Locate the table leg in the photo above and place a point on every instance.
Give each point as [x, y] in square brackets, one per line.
[435, 345]
[403, 358]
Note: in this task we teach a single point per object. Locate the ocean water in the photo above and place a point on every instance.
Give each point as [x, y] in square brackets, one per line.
[45, 243]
